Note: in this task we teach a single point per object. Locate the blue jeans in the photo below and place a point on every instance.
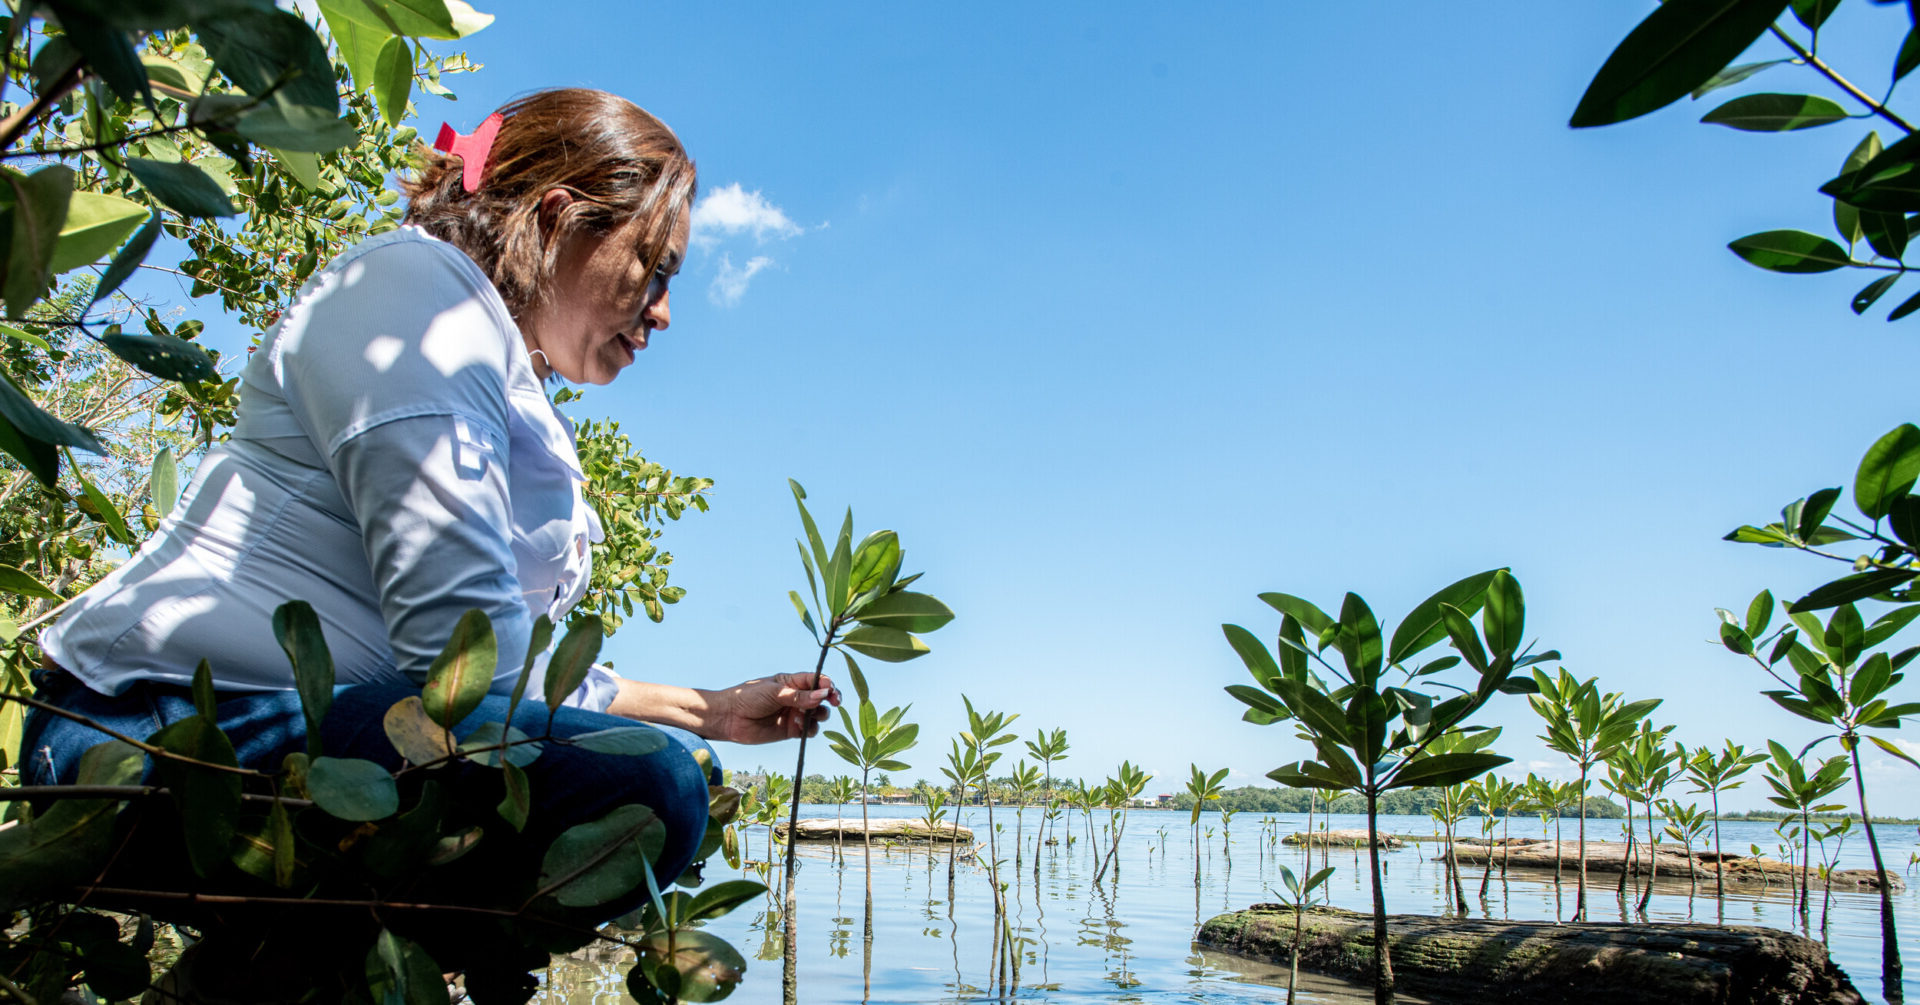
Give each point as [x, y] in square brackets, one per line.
[568, 785]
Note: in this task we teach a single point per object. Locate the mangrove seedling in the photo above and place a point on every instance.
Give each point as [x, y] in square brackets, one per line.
[1025, 779]
[1046, 748]
[1713, 774]
[860, 603]
[1687, 825]
[1358, 745]
[984, 732]
[1296, 897]
[1797, 791]
[872, 741]
[1837, 683]
[1202, 788]
[1586, 727]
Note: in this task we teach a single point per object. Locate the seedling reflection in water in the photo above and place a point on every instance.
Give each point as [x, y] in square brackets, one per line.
[860, 603]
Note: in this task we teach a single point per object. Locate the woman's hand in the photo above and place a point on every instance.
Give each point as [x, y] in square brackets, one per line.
[779, 707]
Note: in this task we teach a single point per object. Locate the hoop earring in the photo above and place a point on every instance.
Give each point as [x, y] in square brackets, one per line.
[531, 353]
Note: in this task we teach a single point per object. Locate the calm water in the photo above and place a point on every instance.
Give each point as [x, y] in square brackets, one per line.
[1129, 939]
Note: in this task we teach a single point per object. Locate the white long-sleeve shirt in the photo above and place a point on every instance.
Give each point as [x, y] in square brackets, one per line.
[395, 463]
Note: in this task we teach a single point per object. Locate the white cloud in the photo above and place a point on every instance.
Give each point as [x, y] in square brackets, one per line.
[731, 210]
[730, 283]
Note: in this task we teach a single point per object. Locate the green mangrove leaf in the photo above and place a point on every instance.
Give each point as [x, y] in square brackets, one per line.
[181, 187]
[518, 801]
[399, 972]
[38, 209]
[595, 862]
[889, 645]
[1793, 251]
[208, 798]
[1872, 292]
[1441, 770]
[484, 745]
[708, 968]
[164, 482]
[907, 611]
[1847, 589]
[297, 628]
[414, 733]
[462, 673]
[1775, 113]
[163, 356]
[127, 259]
[1422, 627]
[629, 740]
[352, 789]
[1888, 470]
[21, 583]
[573, 658]
[1680, 46]
[393, 79]
[95, 225]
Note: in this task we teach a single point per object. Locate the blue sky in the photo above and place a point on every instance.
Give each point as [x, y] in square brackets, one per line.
[1121, 314]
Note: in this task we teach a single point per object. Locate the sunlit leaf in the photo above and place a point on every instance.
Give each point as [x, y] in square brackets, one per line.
[1794, 251]
[462, 673]
[1774, 113]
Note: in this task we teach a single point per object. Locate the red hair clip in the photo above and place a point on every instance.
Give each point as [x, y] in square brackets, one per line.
[472, 149]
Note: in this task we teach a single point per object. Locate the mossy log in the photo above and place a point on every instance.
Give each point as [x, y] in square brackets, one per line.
[1342, 839]
[1608, 857]
[1477, 960]
[826, 829]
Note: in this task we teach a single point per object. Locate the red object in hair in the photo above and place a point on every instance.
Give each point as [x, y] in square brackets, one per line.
[471, 149]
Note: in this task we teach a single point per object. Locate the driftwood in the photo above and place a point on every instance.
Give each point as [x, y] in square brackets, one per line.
[826, 829]
[1342, 839]
[1608, 856]
[1476, 960]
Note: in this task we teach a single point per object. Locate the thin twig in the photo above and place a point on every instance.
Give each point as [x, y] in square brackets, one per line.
[1841, 82]
[14, 125]
[20, 793]
[124, 738]
[14, 989]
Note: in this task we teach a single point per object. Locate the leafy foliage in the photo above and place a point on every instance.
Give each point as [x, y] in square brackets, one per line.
[261, 149]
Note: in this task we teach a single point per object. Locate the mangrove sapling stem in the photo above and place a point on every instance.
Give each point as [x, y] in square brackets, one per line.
[790, 920]
[1383, 957]
[1653, 854]
[1486, 873]
[1806, 859]
[1627, 858]
[1580, 889]
[1889, 941]
[1838, 81]
[1556, 865]
[866, 856]
[1719, 864]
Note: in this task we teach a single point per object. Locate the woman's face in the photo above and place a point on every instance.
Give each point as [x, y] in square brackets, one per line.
[602, 305]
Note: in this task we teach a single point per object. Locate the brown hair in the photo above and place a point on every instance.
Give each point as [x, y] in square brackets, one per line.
[618, 162]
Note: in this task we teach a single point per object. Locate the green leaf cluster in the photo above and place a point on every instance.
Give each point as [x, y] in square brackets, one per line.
[328, 829]
[1687, 47]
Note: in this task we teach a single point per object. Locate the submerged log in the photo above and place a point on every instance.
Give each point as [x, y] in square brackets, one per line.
[1608, 857]
[1342, 839]
[1476, 960]
[826, 829]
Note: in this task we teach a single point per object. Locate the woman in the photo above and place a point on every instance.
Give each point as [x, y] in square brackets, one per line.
[396, 463]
